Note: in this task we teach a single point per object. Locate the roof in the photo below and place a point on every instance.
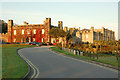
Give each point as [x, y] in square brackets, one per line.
[85, 30]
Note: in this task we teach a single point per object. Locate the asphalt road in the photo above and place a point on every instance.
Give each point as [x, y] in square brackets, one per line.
[54, 65]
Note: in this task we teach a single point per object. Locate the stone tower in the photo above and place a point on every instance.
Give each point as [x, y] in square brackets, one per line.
[9, 26]
[103, 31]
[79, 28]
[65, 29]
[60, 24]
[48, 23]
[25, 23]
[92, 35]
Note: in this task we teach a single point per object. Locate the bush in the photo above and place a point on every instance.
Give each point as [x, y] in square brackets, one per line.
[59, 45]
[110, 52]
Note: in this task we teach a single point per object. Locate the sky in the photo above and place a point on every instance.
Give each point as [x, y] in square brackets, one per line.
[73, 14]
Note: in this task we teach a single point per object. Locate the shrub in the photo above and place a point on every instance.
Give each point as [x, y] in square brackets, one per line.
[59, 45]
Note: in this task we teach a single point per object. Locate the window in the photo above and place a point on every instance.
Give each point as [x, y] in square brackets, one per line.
[42, 40]
[79, 36]
[29, 39]
[14, 32]
[28, 31]
[22, 40]
[42, 31]
[22, 31]
[34, 39]
[14, 40]
[34, 31]
[86, 35]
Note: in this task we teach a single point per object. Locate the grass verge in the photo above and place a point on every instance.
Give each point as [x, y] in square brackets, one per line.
[111, 60]
[12, 65]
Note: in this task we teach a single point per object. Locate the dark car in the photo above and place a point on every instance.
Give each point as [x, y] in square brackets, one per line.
[17, 43]
[23, 42]
[12, 43]
[38, 44]
[6, 43]
[32, 43]
[26, 43]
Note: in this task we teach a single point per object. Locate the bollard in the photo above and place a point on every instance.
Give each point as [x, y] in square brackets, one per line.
[74, 52]
[69, 50]
[78, 52]
[81, 53]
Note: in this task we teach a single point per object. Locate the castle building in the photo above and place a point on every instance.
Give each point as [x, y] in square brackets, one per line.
[29, 32]
[40, 33]
[90, 35]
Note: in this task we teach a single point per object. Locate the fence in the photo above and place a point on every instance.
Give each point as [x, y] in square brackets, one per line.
[72, 51]
[92, 55]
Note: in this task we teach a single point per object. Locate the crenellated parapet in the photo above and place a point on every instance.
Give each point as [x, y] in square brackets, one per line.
[4, 37]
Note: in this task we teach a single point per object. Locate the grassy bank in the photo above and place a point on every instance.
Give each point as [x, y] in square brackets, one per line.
[12, 65]
[111, 60]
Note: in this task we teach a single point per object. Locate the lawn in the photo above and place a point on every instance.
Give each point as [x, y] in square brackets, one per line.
[12, 65]
[111, 60]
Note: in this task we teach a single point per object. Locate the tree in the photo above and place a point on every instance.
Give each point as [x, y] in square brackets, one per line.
[3, 26]
[68, 37]
[57, 33]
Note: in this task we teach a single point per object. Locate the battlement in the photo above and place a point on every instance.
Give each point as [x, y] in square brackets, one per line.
[3, 34]
[4, 37]
[29, 25]
[25, 23]
[47, 21]
[60, 24]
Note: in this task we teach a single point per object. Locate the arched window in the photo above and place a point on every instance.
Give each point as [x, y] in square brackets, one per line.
[42, 31]
[22, 31]
[28, 31]
[14, 32]
[86, 35]
[42, 40]
[14, 40]
[34, 31]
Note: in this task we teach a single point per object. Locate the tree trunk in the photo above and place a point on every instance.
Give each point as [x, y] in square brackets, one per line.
[93, 55]
[117, 56]
[97, 55]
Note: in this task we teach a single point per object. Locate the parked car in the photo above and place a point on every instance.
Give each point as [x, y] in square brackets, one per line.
[6, 43]
[38, 44]
[27, 43]
[35, 43]
[17, 43]
[54, 43]
[32, 43]
[22, 42]
[48, 43]
[12, 43]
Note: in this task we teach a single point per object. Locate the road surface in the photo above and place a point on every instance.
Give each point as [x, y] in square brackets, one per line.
[48, 64]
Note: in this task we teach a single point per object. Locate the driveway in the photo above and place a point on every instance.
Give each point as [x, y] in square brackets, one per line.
[49, 64]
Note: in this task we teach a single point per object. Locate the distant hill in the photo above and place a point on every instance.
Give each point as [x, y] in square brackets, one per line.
[3, 26]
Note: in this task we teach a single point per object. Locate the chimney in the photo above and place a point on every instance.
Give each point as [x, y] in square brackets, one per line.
[79, 28]
[92, 28]
[25, 23]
